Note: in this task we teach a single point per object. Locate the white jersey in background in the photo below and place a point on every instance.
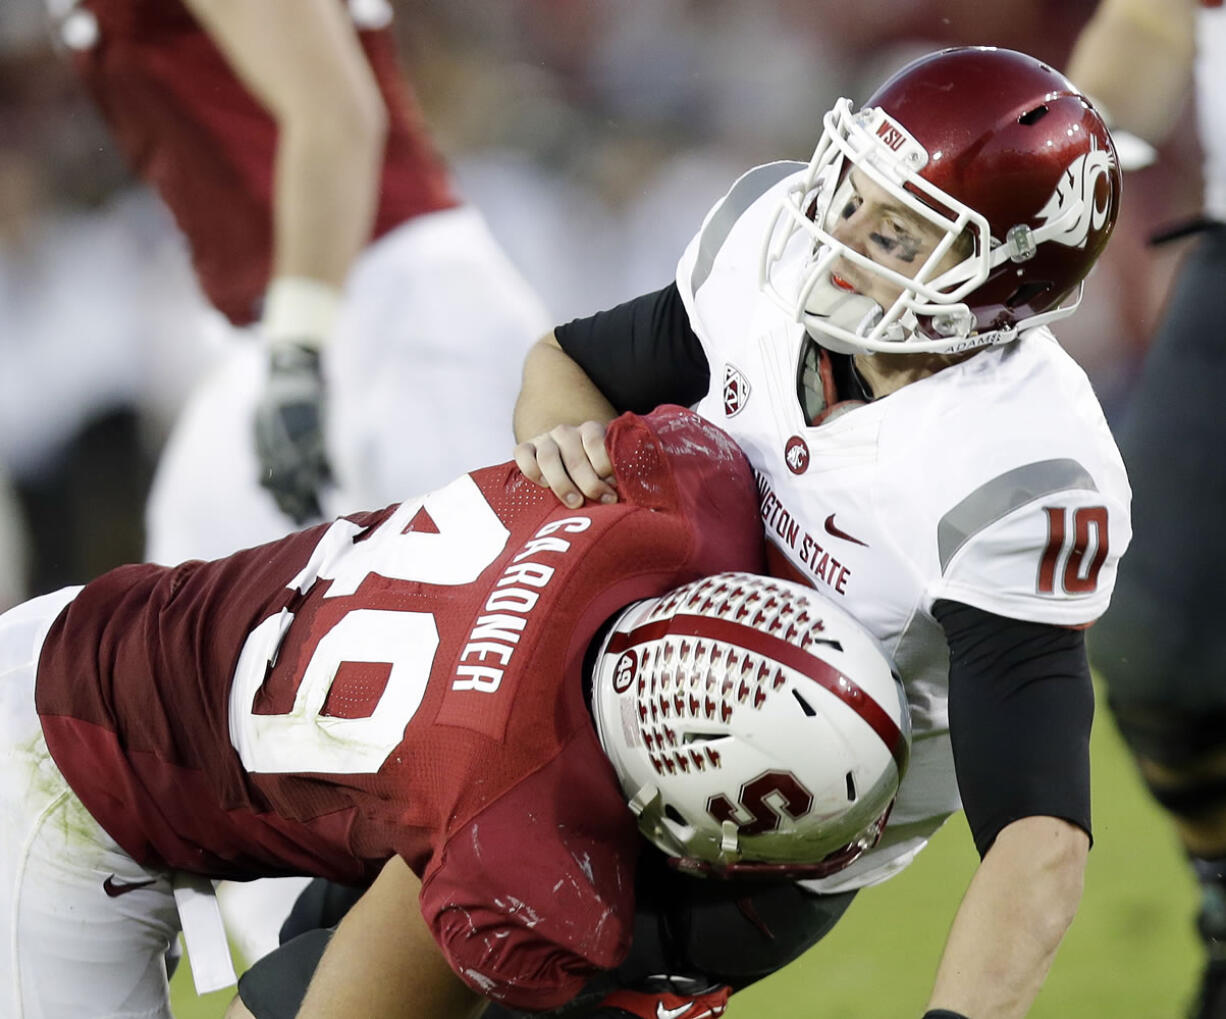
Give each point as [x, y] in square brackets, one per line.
[995, 483]
[1211, 105]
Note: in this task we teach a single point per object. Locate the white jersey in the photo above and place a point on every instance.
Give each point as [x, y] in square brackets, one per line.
[1211, 105]
[995, 483]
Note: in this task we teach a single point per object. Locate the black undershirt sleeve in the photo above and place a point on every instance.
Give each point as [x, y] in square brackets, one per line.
[640, 354]
[1020, 706]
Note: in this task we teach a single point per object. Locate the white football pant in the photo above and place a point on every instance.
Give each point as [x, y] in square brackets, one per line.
[422, 377]
[86, 929]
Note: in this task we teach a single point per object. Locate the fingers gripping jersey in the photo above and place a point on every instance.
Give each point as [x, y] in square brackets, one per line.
[402, 682]
[994, 482]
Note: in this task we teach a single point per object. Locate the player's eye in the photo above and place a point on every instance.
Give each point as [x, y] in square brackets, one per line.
[895, 239]
[850, 207]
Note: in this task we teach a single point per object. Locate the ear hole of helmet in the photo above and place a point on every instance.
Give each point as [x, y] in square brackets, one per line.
[674, 815]
[1027, 292]
[1033, 116]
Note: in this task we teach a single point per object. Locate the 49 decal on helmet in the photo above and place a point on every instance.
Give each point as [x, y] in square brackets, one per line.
[992, 159]
[755, 727]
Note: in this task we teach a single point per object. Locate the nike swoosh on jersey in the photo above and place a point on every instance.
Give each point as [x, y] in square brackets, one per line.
[115, 888]
[838, 532]
[672, 1013]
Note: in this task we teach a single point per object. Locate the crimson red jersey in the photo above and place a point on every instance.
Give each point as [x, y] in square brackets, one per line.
[401, 682]
[194, 132]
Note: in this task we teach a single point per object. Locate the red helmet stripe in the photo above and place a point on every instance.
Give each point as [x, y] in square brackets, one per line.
[830, 678]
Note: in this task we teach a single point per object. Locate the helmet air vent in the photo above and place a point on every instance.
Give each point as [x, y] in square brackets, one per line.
[805, 706]
[1032, 117]
[674, 815]
[851, 788]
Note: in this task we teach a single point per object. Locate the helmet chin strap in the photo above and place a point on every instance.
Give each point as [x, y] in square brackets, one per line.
[828, 305]
[842, 308]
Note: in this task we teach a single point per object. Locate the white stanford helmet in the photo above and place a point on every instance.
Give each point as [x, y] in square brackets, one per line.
[755, 727]
[994, 149]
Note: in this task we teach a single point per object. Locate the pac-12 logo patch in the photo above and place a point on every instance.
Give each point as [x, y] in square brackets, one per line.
[796, 455]
[625, 671]
[736, 391]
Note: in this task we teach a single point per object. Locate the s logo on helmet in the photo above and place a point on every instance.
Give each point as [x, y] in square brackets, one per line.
[624, 672]
[767, 799]
[1072, 209]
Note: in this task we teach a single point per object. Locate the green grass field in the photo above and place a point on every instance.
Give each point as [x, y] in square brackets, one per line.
[1131, 953]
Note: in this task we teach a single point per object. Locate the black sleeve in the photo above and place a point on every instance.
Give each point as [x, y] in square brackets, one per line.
[640, 354]
[1020, 706]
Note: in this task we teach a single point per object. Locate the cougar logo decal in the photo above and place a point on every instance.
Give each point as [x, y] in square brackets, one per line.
[796, 455]
[1072, 209]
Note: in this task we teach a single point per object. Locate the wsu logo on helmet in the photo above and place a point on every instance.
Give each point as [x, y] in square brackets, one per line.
[736, 391]
[1072, 209]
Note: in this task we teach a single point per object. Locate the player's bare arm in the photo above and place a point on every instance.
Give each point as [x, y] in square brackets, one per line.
[1020, 902]
[559, 421]
[302, 60]
[1158, 35]
[383, 961]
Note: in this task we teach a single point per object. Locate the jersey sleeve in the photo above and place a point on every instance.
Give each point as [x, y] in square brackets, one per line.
[536, 893]
[641, 354]
[1020, 707]
[717, 275]
[716, 237]
[1039, 542]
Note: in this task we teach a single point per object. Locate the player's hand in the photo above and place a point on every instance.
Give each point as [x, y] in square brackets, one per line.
[289, 437]
[571, 461]
[706, 1004]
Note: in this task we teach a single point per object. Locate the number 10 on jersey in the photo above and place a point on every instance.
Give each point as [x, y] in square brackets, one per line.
[1076, 549]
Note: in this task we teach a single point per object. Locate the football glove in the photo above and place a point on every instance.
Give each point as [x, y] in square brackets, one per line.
[709, 1003]
[289, 438]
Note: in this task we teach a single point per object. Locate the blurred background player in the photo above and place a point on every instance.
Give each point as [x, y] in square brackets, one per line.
[1161, 648]
[100, 336]
[14, 546]
[287, 144]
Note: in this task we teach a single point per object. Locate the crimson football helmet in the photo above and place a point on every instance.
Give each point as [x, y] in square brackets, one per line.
[998, 151]
[754, 726]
